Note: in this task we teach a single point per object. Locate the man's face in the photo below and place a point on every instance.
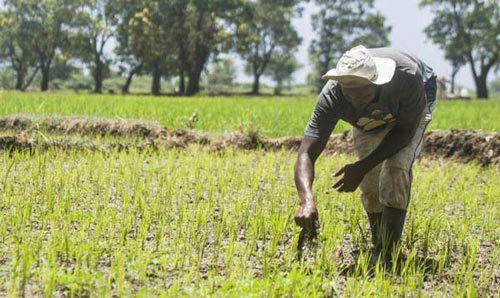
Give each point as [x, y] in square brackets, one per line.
[359, 93]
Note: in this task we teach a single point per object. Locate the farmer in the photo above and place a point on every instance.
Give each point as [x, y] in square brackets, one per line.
[388, 97]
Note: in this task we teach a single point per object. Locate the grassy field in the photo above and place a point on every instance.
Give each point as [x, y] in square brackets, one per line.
[271, 116]
[195, 223]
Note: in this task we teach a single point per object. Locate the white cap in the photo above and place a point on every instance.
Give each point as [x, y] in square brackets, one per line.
[358, 63]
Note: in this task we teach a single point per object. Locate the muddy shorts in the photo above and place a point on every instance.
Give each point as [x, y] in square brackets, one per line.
[389, 183]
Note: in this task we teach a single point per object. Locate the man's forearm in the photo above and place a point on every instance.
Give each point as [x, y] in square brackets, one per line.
[304, 177]
[395, 140]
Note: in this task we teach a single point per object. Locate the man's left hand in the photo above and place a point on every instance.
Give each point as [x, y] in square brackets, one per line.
[353, 175]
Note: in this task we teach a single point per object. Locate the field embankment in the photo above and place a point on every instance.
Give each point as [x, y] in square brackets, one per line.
[29, 132]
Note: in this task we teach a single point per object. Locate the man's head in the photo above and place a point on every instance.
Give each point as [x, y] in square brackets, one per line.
[358, 74]
[359, 92]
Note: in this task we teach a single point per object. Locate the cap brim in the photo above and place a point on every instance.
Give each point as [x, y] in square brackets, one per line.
[333, 74]
[385, 70]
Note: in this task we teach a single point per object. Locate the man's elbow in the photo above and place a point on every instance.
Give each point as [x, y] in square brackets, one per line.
[406, 133]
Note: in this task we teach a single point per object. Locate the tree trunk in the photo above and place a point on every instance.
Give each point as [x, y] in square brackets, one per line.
[45, 79]
[454, 73]
[481, 87]
[182, 83]
[128, 81]
[256, 84]
[278, 88]
[193, 86]
[156, 85]
[98, 76]
[30, 79]
[20, 79]
[452, 83]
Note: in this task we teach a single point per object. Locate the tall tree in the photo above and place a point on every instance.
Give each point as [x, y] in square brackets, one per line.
[151, 40]
[339, 25]
[50, 23]
[128, 63]
[457, 62]
[95, 29]
[281, 69]
[220, 77]
[468, 29]
[263, 28]
[202, 28]
[15, 47]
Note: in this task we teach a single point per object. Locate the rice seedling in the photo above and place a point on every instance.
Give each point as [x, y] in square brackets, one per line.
[192, 222]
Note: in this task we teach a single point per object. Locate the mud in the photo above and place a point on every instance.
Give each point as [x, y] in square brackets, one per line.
[82, 125]
[461, 145]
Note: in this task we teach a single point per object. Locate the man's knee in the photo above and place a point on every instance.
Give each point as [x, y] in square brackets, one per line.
[371, 202]
[370, 191]
[395, 187]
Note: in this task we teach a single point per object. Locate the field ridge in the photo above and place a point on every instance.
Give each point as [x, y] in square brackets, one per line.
[33, 131]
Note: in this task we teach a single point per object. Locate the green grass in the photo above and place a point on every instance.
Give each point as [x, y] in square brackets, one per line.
[283, 116]
[197, 223]
[193, 223]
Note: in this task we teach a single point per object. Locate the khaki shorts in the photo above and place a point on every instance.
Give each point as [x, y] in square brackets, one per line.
[389, 183]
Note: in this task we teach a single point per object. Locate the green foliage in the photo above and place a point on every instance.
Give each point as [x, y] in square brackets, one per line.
[16, 47]
[203, 29]
[495, 86]
[340, 25]
[7, 79]
[467, 31]
[281, 69]
[96, 27]
[48, 29]
[177, 37]
[220, 77]
[263, 29]
[150, 38]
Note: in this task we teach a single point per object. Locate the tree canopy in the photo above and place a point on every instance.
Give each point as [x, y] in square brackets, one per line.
[468, 31]
[340, 25]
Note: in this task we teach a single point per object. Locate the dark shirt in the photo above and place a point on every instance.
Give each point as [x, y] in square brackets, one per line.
[402, 100]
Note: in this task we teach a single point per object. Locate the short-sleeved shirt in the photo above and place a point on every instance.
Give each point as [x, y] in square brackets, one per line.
[402, 100]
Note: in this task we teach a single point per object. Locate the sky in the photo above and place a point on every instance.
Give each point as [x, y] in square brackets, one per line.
[407, 21]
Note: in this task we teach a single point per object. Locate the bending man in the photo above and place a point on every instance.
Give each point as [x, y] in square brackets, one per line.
[388, 97]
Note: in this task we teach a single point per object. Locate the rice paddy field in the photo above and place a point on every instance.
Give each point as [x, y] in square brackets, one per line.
[195, 222]
[274, 117]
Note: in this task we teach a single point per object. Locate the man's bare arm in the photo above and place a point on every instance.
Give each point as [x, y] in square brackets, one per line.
[310, 148]
[395, 140]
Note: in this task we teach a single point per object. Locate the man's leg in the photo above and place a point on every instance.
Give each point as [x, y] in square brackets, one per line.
[364, 144]
[395, 188]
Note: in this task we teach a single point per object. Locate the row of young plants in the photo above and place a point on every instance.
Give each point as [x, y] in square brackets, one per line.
[197, 223]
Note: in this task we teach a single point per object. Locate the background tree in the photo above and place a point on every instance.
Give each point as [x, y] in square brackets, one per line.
[221, 76]
[15, 47]
[151, 40]
[457, 62]
[281, 69]
[95, 29]
[202, 28]
[263, 28]
[50, 23]
[495, 86]
[469, 30]
[339, 25]
[128, 64]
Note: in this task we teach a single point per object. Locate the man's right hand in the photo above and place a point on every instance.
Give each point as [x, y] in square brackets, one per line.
[307, 217]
